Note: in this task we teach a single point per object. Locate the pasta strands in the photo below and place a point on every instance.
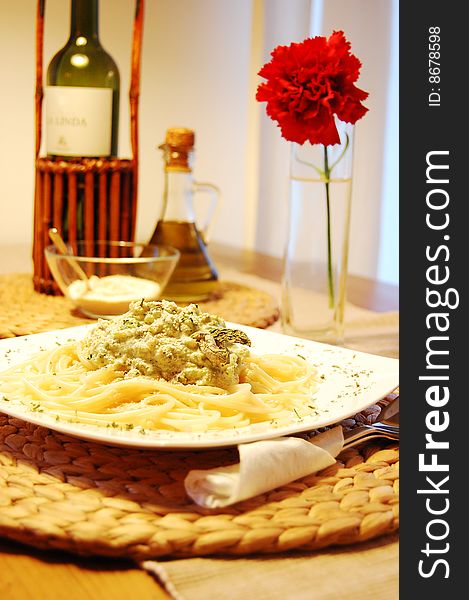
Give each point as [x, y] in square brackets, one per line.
[272, 387]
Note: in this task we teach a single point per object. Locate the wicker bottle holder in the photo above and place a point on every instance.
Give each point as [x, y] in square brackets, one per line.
[99, 193]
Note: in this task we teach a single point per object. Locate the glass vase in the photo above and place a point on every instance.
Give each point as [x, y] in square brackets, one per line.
[315, 261]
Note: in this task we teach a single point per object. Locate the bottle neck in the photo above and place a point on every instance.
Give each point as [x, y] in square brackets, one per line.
[84, 20]
[177, 197]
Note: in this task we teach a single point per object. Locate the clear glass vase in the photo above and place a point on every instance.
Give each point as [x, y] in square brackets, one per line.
[316, 254]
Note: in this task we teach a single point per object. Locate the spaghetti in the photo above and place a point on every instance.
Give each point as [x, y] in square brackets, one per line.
[67, 382]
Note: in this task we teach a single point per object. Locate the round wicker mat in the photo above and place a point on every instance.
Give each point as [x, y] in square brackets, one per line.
[24, 311]
[58, 492]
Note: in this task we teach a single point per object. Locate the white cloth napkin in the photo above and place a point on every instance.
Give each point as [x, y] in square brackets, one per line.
[263, 466]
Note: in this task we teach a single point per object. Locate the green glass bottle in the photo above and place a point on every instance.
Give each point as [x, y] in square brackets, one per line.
[82, 91]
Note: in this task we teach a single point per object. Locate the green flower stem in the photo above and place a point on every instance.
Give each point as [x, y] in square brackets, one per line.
[330, 278]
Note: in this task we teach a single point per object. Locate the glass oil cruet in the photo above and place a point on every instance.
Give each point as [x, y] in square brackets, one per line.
[195, 276]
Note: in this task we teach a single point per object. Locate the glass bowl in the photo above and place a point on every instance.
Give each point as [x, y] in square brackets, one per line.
[102, 277]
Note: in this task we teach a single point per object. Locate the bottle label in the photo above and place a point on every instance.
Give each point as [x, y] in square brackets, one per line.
[78, 121]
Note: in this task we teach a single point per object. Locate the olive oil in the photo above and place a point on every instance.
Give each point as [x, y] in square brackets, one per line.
[195, 276]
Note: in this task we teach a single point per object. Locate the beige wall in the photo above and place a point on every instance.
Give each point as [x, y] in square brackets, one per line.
[200, 59]
[175, 90]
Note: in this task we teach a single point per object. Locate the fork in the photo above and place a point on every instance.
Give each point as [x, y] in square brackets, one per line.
[386, 427]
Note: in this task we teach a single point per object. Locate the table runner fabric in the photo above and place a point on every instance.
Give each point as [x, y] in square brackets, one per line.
[364, 573]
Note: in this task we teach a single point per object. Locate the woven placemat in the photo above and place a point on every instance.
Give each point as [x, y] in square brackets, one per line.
[24, 311]
[58, 492]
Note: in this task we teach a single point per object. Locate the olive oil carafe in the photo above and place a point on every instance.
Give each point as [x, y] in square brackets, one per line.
[195, 276]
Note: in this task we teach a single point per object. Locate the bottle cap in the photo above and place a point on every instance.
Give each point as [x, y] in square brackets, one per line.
[180, 137]
[178, 146]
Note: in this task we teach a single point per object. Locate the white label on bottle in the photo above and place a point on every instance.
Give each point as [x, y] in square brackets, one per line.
[78, 121]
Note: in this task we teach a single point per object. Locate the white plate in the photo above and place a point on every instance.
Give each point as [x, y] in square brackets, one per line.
[351, 382]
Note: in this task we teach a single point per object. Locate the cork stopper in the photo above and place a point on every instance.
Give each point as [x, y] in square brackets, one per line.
[178, 147]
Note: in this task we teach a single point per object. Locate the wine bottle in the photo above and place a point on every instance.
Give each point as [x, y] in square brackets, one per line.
[82, 91]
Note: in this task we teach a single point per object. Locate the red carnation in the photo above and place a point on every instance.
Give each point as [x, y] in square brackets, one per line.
[308, 84]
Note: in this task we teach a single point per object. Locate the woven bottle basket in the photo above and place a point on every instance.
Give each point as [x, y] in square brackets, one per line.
[100, 194]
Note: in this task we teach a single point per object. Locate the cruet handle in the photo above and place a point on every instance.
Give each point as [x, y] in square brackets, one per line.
[205, 227]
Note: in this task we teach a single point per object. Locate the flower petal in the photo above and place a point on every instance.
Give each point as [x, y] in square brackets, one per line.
[308, 84]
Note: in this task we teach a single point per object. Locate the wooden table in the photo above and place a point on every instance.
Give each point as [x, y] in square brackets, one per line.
[26, 573]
